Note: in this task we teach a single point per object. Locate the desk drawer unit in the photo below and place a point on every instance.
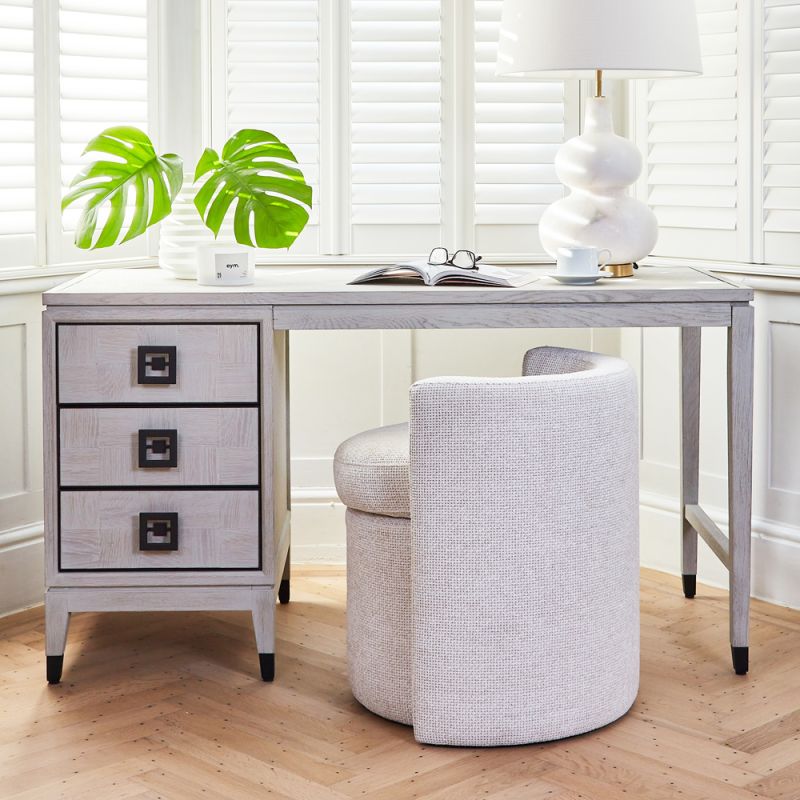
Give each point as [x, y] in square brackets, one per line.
[158, 446]
[99, 364]
[159, 530]
[159, 502]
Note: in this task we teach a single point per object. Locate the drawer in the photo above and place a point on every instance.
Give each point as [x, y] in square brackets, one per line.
[175, 446]
[186, 530]
[180, 363]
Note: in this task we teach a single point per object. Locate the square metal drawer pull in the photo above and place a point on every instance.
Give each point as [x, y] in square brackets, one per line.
[158, 531]
[157, 364]
[158, 449]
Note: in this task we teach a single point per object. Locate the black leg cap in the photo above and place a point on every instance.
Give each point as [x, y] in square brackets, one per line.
[283, 592]
[689, 585]
[741, 659]
[54, 667]
[267, 663]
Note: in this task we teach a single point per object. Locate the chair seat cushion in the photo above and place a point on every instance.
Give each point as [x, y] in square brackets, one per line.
[370, 470]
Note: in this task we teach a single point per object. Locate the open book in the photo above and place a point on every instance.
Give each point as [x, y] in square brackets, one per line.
[435, 274]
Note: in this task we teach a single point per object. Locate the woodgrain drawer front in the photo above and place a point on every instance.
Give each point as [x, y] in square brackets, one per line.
[208, 446]
[211, 530]
[179, 363]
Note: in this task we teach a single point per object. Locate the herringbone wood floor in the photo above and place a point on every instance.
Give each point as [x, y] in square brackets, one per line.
[169, 706]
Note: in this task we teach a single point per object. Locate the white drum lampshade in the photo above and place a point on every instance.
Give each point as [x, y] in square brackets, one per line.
[553, 39]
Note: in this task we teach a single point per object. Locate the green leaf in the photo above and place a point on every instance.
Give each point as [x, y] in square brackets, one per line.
[272, 197]
[153, 180]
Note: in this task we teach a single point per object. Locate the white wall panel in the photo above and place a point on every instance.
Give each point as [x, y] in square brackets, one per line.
[21, 561]
[347, 381]
[484, 353]
[335, 393]
[20, 415]
[13, 371]
[784, 410]
[776, 475]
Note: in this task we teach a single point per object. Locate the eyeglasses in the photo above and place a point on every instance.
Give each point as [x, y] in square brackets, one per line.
[464, 259]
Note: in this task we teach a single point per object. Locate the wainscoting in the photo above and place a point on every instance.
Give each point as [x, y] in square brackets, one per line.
[21, 558]
[346, 381]
[776, 466]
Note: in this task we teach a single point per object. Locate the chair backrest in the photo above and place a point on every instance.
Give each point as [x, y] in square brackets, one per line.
[568, 429]
[564, 361]
[524, 528]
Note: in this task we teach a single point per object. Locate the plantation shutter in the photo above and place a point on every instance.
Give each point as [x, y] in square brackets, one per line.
[781, 132]
[272, 83]
[519, 125]
[102, 70]
[395, 125]
[382, 88]
[688, 136]
[17, 149]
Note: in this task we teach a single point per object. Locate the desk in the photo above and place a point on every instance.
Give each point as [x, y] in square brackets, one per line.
[232, 374]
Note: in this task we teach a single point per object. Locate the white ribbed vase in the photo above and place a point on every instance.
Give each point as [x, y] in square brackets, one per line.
[599, 167]
[181, 233]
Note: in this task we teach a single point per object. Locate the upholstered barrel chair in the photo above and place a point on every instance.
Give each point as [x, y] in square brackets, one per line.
[492, 554]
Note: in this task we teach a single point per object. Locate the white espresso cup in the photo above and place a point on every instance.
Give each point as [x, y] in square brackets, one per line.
[580, 260]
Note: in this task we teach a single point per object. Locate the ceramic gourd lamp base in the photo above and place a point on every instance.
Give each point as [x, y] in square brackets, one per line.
[599, 167]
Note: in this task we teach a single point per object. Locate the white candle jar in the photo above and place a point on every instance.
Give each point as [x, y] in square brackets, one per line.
[225, 265]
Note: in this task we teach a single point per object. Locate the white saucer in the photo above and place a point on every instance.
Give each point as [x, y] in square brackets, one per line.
[577, 280]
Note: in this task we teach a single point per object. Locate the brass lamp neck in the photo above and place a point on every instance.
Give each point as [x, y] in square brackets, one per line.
[598, 83]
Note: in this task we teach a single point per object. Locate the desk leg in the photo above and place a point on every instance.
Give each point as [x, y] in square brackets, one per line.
[740, 478]
[284, 591]
[690, 451]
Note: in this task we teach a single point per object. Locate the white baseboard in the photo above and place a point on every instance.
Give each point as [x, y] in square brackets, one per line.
[318, 537]
[318, 533]
[775, 554]
[21, 568]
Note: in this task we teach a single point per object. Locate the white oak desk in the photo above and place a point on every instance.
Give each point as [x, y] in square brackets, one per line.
[88, 348]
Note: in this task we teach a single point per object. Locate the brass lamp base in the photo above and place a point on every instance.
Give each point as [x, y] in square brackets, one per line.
[619, 270]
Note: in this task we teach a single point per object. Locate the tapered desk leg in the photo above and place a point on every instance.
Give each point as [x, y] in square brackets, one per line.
[690, 451]
[284, 591]
[56, 622]
[264, 626]
[740, 478]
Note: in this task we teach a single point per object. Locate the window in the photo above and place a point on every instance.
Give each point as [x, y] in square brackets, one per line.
[725, 188]
[691, 145]
[395, 92]
[519, 126]
[271, 77]
[393, 110]
[780, 147]
[17, 150]
[67, 70]
[102, 82]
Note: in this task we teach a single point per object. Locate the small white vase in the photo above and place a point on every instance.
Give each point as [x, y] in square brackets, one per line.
[599, 166]
[181, 233]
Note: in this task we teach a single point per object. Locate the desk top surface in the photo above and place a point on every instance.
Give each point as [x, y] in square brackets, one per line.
[307, 286]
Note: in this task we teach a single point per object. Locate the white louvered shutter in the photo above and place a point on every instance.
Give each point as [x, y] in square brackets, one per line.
[102, 82]
[519, 125]
[688, 136]
[272, 83]
[395, 102]
[782, 132]
[17, 150]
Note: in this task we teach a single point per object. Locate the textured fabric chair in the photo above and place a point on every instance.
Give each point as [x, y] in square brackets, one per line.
[492, 554]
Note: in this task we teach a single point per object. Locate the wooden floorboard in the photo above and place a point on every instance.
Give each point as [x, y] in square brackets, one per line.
[170, 707]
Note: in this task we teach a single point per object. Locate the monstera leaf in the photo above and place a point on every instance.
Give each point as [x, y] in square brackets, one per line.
[272, 197]
[155, 181]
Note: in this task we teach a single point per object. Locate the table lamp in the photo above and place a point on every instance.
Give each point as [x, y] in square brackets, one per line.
[552, 39]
